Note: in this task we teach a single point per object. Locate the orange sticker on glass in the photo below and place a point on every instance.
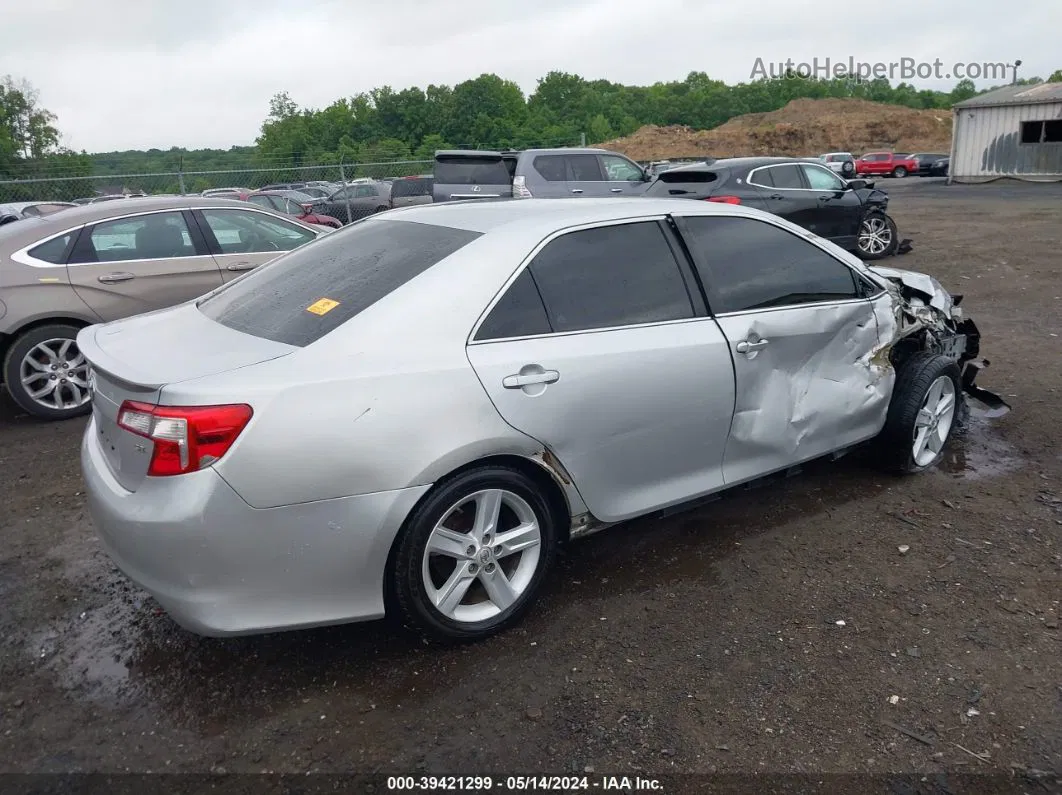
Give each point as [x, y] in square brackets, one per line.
[322, 307]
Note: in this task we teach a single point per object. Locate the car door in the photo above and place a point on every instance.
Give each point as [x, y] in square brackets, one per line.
[786, 194]
[585, 176]
[241, 240]
[138, 263]
[624, 177]
[600, 349]
[839, 209]
[803, 333]
[548, 177]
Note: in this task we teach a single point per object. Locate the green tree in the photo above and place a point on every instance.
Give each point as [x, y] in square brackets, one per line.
[1056, 76]
[27, 131]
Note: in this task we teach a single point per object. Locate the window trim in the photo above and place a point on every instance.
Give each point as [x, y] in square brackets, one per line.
[700, 312]
[803, 179]
[713, 296]
[84, 239]
[23, 257]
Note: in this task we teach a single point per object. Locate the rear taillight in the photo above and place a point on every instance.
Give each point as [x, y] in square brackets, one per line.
[186, 438]
[724, 199]
[520, 189]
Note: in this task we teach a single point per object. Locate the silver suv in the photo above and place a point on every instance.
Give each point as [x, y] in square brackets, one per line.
[536, 173]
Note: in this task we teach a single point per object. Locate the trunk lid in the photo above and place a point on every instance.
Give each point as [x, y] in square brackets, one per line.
[134, 359]
[472, 175]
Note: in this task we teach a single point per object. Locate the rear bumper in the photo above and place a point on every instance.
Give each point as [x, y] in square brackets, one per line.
[220, 567]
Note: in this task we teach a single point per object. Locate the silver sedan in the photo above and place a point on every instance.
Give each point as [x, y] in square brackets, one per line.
[415, 411]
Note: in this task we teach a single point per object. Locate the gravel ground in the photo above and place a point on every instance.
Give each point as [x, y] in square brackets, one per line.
[779, 630]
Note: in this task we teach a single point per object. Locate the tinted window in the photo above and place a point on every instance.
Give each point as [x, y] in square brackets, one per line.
[584, 168]
[551, 167]
[155, 236]
[610, 276]
[299, 298]
[53, 250]
[822, 179]
[519, 313]
[420, 186]
[755, 265]
[458, 170]
[245, 232]
[786, 176]
[621, 169]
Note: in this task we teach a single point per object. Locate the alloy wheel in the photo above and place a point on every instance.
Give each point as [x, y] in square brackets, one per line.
[875, 236]
[934, 421]
[54, 374]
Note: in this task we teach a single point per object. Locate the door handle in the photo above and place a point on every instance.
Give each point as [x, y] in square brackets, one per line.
[776, 196]
[528, 379]
[240, 266]
[577, 190]
[617, 190]
[749, 347]
[825, 198]
[114, 278]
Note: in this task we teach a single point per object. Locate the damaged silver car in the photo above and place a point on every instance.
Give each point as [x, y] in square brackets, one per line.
[411, 414]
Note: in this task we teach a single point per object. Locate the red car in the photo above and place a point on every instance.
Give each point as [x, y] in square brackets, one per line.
[886, 164]
[291, 202]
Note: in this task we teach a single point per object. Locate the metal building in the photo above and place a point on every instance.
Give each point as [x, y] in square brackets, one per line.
[1015, 131]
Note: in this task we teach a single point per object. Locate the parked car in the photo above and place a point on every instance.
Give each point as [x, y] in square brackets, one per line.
[885, 164]
[924, 163]
[851, 214]
[362, 199]
[33, 209]
[226, 192]
[286, 413]
[840, 163]
[106, 261]
[407, 191]
[939, 168]
[541, 173]
[294, 203]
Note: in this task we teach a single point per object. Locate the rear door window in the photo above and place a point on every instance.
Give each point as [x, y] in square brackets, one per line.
[54, 250]
[154, 236]
[787, 176]
[458, 170]
[519, 313]
[551, 168]
[610, 276]
[299, 298]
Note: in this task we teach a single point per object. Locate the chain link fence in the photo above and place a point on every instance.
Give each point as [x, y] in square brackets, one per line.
[338, 190]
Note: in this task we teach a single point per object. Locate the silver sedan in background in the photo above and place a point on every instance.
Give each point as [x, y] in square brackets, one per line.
[415, 411]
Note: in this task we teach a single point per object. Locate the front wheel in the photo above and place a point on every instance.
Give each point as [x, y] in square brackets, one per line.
[899, 172]
[47, 375]
[877, 236]
[922, 413]
[474, 554]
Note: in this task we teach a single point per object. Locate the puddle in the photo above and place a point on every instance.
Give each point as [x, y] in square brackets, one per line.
[977, 451]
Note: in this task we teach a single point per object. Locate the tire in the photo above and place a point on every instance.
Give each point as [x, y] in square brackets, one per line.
[899, 442]
[899, 172]
[16, 367]
[473, 614]
[878, 237]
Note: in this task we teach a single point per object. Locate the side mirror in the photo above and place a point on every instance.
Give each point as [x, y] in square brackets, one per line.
[856, 184]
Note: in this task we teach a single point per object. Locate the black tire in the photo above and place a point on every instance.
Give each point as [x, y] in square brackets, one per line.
[899, 172]
[13, 380]
[894, 242]
[913, 382]
[408, 590]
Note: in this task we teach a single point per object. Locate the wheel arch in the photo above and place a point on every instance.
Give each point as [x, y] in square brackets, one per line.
[7, 339]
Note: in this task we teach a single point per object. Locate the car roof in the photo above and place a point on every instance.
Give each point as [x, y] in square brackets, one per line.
[548, 215]
[82, 214]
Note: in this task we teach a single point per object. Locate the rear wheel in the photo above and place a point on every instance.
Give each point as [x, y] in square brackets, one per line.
[47, 375]
[473, 555]
[877, 236]
[899, 172]
[922, 413]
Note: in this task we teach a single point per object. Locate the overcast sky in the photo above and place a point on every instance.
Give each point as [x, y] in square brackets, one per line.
[137, 74]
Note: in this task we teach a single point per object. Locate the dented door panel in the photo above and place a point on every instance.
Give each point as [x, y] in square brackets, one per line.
[810, 380]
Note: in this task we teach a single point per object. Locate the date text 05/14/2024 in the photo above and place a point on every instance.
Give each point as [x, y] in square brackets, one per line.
[521, 783]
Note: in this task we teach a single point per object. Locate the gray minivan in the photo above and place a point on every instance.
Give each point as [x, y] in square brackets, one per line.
[542, 173]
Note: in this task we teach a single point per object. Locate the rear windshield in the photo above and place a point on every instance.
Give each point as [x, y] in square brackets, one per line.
[410, 187]
[302, 296]
[459, 170]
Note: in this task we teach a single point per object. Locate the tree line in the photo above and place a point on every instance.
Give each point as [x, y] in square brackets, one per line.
[410, 124]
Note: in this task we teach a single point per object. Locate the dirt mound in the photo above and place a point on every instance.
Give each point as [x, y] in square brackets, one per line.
[802, 128]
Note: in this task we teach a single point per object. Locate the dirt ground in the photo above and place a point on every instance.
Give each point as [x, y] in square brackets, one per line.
[711, 641]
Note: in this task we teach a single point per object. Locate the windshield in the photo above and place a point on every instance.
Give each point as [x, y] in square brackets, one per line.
[460, 170]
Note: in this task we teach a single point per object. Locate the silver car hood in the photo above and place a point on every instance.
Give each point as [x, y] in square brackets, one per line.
[929, 288]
